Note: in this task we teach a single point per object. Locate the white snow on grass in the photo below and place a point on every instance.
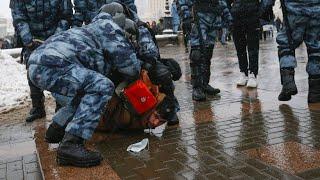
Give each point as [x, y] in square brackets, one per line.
[14, 88]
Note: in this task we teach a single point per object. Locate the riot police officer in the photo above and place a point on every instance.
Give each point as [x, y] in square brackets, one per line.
[206, 17]
[301, 24]
[34, 22]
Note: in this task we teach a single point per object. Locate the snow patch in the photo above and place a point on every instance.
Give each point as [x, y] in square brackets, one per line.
[14, 89]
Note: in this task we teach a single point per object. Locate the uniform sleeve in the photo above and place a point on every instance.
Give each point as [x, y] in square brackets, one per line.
[20, 21]
[65, 15]
[148, 50]
[118, 50]
[226, 15]
[184, 9]
[80, 12]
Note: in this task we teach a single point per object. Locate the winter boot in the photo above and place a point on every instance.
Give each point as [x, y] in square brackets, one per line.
[54, 133]
[314, 90]
[289, 87]
[207, 88]
[37, 111]
[72, 152]
[198, 93]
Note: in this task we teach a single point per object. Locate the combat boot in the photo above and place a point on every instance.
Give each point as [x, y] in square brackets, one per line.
[289, 87]
[314, 90]
[37, 111]
[72, 152]
[54, 133]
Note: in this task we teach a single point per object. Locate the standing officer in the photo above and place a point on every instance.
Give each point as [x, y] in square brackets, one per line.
[34, 22]
[206, 16]
[86, 10]
[301, 24]
[80, 69]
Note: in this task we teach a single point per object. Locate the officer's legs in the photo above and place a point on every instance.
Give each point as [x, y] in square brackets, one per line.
[206, 68]
[240, 42]
[92, 91]
[287, 55]
[37, 97]
[197, 80]
[313, 67]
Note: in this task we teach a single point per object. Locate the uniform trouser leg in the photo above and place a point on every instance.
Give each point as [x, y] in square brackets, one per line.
[253, 33]
[240, 42]
[286, 53]
[313, 67]
[91, 89]
[36, 94]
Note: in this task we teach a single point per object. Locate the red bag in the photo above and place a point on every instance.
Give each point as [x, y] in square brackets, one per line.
[139, 98]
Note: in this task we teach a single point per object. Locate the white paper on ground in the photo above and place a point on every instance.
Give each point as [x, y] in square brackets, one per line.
[158, 131]
[137, 147]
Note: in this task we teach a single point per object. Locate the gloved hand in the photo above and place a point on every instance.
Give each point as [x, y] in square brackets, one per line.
[149, 64]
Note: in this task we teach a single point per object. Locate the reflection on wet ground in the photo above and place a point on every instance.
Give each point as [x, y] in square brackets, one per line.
[240, 134]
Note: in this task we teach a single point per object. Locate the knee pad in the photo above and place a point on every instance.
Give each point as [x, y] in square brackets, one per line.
[160, 74]
[174, 68]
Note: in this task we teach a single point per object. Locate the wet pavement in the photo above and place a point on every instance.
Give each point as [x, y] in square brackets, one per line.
[240, 134]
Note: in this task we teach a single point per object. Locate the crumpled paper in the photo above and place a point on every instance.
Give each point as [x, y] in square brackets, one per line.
[158, 131]
[139, 146]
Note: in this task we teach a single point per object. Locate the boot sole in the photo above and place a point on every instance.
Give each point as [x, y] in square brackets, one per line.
[204, 99]
[71, 162]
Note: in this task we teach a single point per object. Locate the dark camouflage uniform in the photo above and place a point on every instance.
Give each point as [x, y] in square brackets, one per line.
[207, 19]
[86, 10]
[77, 63]
[40, 18]
[304, 22]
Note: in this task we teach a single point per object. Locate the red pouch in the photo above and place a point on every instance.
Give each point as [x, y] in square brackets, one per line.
[139, 98]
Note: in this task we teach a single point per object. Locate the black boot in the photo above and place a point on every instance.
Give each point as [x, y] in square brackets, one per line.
[72, 152]
[37, 111]
[314, 90]
[54, 133]
[37, 98]
[289, 87]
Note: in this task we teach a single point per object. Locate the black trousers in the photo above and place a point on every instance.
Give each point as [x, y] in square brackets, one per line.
[246, 40]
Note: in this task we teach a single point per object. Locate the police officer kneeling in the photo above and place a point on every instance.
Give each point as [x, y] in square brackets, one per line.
[77, 63]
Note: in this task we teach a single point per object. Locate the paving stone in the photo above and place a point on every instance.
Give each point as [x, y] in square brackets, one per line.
[31, 167]
[33, 176]
[14, 166]
[3, 173]
[16, 175]
[30, 158]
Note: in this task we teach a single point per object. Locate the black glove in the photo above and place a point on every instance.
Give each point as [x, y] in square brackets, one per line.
[174, 68]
